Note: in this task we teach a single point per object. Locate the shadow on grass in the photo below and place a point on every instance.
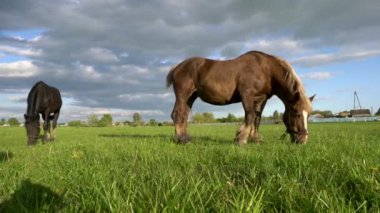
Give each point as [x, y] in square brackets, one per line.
[5, 156]
[194, 139]
[136, 136]
[213, 140]
[31, 197]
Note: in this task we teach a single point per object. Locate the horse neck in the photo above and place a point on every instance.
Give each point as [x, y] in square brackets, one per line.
[287, 98]
[294, 99]
[33, 102]
[285, 92]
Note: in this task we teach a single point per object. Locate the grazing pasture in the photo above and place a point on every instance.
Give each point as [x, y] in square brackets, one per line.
[141, 170]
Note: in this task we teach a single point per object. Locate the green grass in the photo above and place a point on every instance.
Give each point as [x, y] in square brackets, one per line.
[141, 170]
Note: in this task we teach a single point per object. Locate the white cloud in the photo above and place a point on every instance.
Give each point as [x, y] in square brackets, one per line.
[17, 99]
[131, 70]
[145, 96]
[100, 55]
[327, 58]
[20, 51]
[283, 46]
[317, 75]
[18, 69]
[70, 112]
[89, 72]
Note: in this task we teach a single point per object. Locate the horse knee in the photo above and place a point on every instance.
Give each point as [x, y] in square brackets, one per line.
[174, 115]
[183, 138]
[46, 126]
[178, 116]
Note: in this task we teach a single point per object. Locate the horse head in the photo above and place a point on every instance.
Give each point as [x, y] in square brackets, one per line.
[32, 125]
[295, 119]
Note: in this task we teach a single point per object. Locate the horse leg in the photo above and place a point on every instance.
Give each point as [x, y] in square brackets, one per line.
[54, 125]
[259, 107]
[50, 132]
[255, 135]
[247, 127]
[180, 115]
[253, 107]
[46, 126]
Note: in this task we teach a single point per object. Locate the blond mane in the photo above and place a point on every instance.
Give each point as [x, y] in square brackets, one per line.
[295, 82]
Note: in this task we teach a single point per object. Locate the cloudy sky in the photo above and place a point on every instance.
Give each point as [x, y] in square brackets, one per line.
[112, 56]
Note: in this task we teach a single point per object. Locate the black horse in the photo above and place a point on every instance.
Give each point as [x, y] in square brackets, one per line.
[46, 100]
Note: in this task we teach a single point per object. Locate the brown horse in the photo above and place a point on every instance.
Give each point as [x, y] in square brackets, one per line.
[46, 100]
[252, 79]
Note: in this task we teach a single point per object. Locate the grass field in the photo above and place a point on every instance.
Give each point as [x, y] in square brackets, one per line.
[141, 170]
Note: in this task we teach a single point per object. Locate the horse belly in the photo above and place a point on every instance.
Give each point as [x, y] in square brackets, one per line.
[217, 95]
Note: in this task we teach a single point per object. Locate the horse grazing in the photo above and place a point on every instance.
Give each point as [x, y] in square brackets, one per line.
[252, 79]
[46, 100]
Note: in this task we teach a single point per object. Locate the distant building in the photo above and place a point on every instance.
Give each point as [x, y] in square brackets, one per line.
[360, 113]
[354, 113]
[318, 115]
[343, 114]
[315, 117]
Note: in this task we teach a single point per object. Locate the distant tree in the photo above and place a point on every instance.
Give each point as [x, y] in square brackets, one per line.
[153, 122]
[229, 119]
[119, 123]
[276, 115]
[378, 112]
[221, 120]
[106, 120]
[198, 118]
[75, 123]
[128, 123]
[167, 123]
[328, 114]
[2, 121]
[13, 122]
[137, 120]
[208, 117]
[232, 118]
[92, 120]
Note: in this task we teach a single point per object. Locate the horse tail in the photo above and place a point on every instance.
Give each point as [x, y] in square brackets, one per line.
[194, 63]
[169, 77]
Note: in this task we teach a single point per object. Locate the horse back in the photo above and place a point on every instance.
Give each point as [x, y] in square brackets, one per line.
[42, 97]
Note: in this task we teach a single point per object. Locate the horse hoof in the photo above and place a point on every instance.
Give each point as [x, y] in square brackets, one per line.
[257, 140]
[183, 139]
[241, 143]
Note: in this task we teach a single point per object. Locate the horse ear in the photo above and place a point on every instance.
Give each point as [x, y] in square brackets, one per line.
[312, 98]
